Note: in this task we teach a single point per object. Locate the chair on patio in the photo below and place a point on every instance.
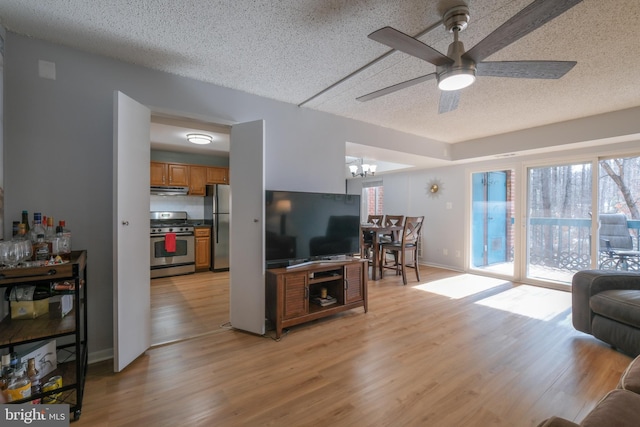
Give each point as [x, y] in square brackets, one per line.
[616, 244]
[408, 245]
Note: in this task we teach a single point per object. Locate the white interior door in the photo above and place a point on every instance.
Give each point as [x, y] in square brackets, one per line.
[246, 256]
[131, 257]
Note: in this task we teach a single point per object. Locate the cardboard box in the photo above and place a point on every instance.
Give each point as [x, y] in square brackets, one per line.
[46, 357]
[60, 306]
[29, 309]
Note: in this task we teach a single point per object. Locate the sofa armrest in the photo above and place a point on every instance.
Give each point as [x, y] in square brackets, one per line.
[557, 422]
[587, 283]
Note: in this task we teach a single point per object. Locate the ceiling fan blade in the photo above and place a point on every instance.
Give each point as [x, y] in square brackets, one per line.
[448, 101]
[525, 69]
[400, 41]
[522, 23]
[396, 87]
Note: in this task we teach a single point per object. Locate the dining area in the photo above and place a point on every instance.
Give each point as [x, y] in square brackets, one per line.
[391, 242]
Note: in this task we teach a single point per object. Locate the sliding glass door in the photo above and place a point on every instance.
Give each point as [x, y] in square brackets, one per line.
[619, 213]
[558, 227]
[559, 234]
[492, 225]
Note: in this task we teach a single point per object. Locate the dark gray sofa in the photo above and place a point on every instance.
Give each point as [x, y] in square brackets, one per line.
[606, 304]
[618, 408]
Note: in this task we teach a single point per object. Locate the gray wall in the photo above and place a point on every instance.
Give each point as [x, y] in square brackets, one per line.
[189, 158]
[59, 133]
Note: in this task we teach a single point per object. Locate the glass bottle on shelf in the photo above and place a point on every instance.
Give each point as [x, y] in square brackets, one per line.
[19, 385]
[22, 232]
[40, 249]
[5, 372]
[63, 244]
[25, 220]
[66, 241]
[50, 237]
[50, 230]
[38, 228]
[34, 378]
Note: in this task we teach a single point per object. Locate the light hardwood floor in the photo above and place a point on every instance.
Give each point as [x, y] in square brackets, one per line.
[456, 350]
[188, 306]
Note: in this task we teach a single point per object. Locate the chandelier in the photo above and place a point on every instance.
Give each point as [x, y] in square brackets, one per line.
[363, 170]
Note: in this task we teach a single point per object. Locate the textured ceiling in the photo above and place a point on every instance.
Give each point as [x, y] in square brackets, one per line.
[304, 46]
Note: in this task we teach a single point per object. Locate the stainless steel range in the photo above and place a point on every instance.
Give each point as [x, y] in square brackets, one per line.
[172, 244]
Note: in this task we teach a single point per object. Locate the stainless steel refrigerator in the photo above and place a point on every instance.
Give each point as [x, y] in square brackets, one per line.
[216, 209]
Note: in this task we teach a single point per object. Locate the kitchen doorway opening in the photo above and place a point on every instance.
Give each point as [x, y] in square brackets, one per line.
[188, 305]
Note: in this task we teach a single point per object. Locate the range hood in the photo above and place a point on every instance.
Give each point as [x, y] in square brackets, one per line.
[157, 190]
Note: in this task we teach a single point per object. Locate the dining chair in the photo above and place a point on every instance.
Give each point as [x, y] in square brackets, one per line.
[394, 236]
[391, 220]
[375, 219]
[366, 242]
[408, 245]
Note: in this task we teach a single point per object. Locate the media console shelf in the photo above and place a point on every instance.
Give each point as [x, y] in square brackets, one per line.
[291, 294]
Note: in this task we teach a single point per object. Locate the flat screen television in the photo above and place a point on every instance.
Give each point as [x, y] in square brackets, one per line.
[302, 226]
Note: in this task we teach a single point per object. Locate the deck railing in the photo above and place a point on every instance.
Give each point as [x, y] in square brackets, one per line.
[565, 243]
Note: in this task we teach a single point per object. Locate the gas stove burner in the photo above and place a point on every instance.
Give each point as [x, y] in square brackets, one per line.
[171, 228]
[170, 222]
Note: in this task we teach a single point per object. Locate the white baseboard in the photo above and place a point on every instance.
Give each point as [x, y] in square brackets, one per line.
[99, 356]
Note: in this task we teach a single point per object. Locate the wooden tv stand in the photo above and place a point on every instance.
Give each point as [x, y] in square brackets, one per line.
[291, 292]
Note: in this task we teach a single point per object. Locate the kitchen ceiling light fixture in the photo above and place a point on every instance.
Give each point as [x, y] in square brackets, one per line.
[364, 170]
[199, 138]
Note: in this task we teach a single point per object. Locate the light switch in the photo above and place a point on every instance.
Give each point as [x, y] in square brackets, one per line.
[47, 69]
[449, 205]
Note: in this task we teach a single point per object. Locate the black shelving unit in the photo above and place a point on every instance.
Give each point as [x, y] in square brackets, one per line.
[70, 331]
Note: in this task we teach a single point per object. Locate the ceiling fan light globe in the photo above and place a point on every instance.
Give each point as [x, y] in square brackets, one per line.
[456, 80]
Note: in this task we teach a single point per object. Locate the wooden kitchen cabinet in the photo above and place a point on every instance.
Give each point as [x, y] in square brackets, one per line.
[203, 248]
[197, 180]
[169, 174]
[159, 174]
[217, 175]
[178, 174]
[291, 294]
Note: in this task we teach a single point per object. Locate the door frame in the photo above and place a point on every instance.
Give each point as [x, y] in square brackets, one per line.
[246, 289]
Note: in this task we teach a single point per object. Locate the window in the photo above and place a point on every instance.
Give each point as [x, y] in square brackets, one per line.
[372, 199]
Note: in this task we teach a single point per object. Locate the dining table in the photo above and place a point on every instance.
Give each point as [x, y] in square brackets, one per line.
[378, 231]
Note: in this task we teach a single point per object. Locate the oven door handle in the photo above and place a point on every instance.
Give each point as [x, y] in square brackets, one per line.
[177, 234]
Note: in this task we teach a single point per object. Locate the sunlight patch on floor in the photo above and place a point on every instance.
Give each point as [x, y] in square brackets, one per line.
[460, 286]
[530, 301]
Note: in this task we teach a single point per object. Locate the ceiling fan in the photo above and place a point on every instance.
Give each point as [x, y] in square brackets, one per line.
[459, 68]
